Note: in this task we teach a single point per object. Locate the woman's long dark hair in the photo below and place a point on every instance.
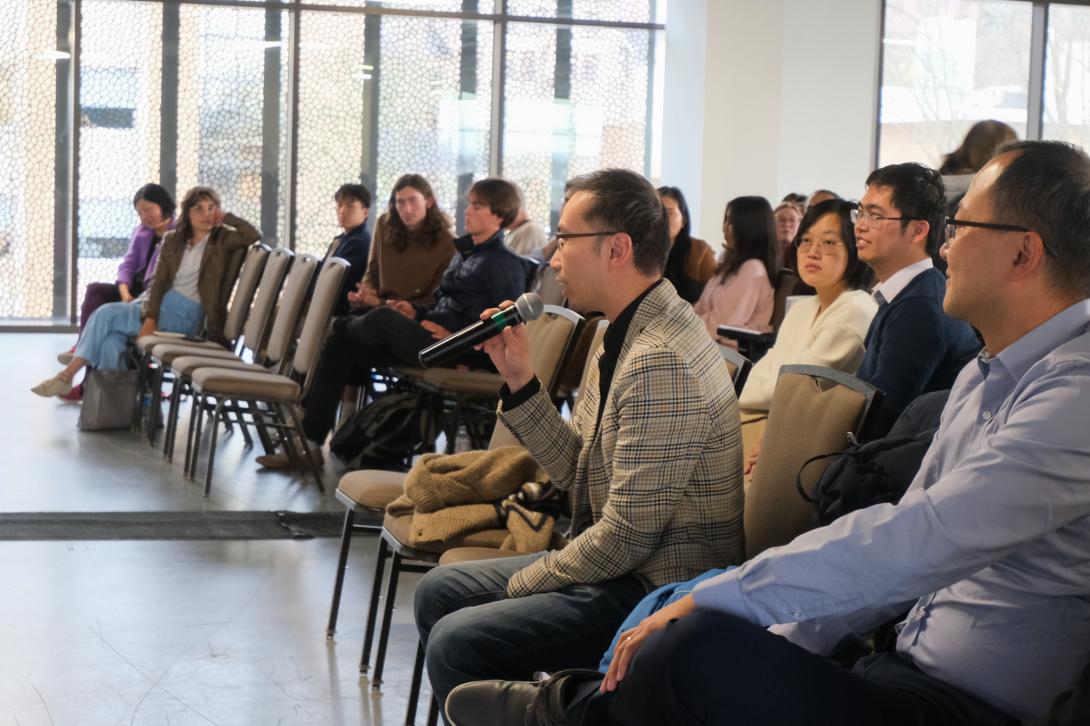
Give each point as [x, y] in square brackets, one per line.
[192, 198]
[434, 220]
[753, 233]
[679, 251]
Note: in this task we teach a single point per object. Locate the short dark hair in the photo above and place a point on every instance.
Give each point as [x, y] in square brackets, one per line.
[918, 194]
[753, 228]
[623, 201]
[156, 195]
[1046, 187]
[354, 191]
[501, 196]
[857, 275]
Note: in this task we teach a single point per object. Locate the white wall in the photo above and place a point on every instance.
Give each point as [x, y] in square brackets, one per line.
[789, 100]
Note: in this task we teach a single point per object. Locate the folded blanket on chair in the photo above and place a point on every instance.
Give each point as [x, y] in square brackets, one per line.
[451, 496]
[471, 477]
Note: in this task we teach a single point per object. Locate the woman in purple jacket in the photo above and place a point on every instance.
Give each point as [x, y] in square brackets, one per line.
[155, 208]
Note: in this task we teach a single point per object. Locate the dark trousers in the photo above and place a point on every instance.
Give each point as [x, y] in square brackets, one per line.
[471, 630]
[380, 337]
[97, 295]
[713, 668]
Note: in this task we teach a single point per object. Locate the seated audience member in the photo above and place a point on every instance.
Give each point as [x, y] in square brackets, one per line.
[691, 262]
[912, 346]
[651, 459]
[826, 329]
[821, 195]
[155, 208]
[411, 249]
[353, 245]
[186, 289]
[525, 237]
[788, 216]
[796, 198]
[979, 145]
[988, 550]
[483, 272]
[742, 293]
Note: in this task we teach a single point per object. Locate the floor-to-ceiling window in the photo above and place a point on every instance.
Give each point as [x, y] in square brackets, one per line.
[276, 103]
[947, 64]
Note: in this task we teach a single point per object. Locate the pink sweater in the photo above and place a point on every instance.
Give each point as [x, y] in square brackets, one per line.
[744, 300]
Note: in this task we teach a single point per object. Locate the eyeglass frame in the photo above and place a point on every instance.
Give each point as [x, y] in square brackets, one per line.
[953, 224]
[873, 218]
[823, 248]
[561, 237]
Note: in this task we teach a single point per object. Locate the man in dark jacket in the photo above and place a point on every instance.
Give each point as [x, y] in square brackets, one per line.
[912, 346]
[482, 274]
[354, 244]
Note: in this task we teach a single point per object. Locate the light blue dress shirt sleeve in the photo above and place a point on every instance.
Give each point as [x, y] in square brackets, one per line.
[1028, 479]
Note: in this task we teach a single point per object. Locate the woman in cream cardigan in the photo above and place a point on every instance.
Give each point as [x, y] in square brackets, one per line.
[826, 329]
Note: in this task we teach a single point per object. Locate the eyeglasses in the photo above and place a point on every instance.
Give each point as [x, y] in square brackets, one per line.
[953, 224]
[862, 215]
[561, 238]
[825, 246]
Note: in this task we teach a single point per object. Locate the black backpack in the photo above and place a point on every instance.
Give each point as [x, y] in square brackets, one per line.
[878, 471]
[387, 433]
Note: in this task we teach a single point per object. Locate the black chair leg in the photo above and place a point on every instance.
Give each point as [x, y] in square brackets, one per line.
[387, 620]
[372, 610]
[414, 689]
[342, 563]
[433, 712]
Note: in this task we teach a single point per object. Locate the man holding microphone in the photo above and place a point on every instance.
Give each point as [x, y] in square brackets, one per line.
[651, 459]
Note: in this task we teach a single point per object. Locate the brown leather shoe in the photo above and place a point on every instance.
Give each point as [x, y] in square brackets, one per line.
[282, 462]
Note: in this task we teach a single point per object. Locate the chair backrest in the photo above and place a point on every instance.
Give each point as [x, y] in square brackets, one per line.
[572, 372]
[737, 366]
[286, 321]
[268, 290]
[813, 410]
[785, 285]
[501, 435]
[551, 338]
[244, 292]
[327, 291]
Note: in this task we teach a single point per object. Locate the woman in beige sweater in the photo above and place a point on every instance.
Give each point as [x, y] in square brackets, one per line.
[410, 250]
[826, 329]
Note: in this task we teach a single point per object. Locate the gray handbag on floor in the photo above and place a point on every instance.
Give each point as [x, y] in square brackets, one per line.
[109, 400]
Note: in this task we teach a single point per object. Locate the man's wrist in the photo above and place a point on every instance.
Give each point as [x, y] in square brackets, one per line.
[510, 399]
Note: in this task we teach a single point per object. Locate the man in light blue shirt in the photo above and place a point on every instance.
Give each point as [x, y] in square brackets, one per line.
[989, 549]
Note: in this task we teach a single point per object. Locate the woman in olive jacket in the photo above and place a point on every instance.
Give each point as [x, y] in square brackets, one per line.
[188, 288]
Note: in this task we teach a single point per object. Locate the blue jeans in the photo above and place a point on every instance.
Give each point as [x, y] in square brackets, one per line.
[471, 630]
[109, 328]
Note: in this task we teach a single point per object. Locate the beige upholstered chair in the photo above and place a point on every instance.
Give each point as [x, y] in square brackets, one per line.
[737, 365]
[270, 354]
[551, 340]
[278, 394]
[159, 351]
[813, 410]
[253, 264]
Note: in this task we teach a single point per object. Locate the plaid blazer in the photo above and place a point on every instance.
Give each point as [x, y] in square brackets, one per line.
[657, 489]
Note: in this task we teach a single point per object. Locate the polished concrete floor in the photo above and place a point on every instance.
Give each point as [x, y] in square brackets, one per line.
[172, 632]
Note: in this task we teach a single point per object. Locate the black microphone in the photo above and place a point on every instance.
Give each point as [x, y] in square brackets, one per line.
[528, 307]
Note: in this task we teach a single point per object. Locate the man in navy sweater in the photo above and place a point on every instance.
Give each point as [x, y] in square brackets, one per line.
[912, 347]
